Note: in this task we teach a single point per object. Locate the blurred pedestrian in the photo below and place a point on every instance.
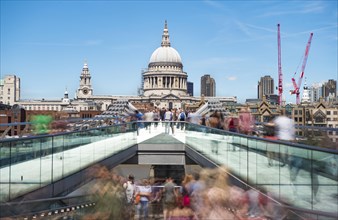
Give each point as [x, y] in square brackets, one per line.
[168, 117]
[182, 117]
[157, 118]
[232, 125]
[246, 121]
[148, 118]
[271, 148]
[108, 194]
[169, 198]
[285, 129]
[216, 120]
[144, 190]
[129, 188]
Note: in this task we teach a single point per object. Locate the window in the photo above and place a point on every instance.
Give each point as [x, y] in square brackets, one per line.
[296, 112]
[319, 120]
[300, 112]
[328, 112]
[335, 112]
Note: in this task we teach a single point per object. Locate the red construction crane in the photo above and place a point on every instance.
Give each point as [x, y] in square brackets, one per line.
[280, 74]
[297, 86]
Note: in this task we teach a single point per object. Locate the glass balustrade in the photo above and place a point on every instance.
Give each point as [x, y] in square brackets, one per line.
[33, 162]
[301, 175]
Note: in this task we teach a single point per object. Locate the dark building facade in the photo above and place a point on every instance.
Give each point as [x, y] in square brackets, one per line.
[190, 86]
[265, 87]
[9, 115]
[330, 90]
[208, 86]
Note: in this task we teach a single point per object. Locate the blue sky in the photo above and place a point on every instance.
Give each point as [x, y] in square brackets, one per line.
[45, 43]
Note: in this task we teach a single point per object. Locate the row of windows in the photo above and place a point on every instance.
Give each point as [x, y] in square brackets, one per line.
[42, 108]
[298, 119]
[334, 112]
[52, 108]
[299, 112]
[332, 119]
[165, 68]
[7, 97]
[8, 91]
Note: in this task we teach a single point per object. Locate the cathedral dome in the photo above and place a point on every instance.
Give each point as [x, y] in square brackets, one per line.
[165, 54]
[165, 74]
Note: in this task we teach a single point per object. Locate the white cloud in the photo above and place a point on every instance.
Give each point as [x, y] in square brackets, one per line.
[232, 78]
[93, 42]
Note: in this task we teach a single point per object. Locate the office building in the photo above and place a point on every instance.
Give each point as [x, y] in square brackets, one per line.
[190, 86]
[265, 87]
[315, 92]
[208, 86]
[329, 90]
[10, 90]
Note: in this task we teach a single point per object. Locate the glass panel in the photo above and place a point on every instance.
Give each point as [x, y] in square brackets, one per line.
[298, 175]
[5, 149]
[58, 157]
[46, 160]
[29, 163]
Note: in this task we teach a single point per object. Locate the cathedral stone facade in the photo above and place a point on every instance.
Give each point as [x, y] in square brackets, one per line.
[165, 71]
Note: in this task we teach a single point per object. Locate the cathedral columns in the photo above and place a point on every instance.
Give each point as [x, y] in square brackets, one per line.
[167, 82]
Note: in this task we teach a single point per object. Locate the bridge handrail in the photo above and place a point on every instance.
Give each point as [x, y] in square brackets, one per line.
[292, 144]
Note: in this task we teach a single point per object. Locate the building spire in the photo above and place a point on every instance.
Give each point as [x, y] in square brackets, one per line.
[85, 64]
[66, 94]
[306, 95]
[165, 36]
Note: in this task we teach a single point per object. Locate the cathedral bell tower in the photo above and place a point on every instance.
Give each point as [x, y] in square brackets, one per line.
[85, 90]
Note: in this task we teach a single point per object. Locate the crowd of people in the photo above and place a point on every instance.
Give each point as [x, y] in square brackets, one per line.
[173, 119]
[206, 194]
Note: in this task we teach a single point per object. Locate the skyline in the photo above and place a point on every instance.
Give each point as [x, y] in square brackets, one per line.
[46, 43]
